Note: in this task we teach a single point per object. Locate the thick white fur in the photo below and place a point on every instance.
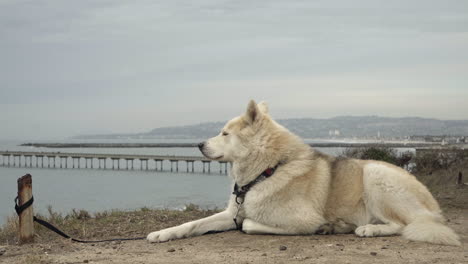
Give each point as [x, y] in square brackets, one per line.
[391, 188]
[310, 190]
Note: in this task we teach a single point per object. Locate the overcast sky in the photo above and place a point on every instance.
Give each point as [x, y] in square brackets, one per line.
[78, 67]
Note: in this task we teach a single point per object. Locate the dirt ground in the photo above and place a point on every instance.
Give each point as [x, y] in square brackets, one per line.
[234, 246]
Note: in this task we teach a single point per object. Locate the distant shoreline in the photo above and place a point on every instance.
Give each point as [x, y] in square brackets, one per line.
[110, 145]
[194, 145]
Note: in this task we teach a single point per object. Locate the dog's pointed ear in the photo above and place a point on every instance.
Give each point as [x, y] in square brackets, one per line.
[263, 106]
[252, 113]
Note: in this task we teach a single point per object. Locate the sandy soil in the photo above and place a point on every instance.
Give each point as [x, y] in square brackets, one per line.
[236, 247]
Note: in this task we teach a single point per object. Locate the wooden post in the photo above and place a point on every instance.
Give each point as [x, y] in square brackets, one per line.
[460, 178]
[26, 223]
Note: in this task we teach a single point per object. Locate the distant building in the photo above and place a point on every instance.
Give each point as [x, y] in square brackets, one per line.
[442, 139]
[334, 133]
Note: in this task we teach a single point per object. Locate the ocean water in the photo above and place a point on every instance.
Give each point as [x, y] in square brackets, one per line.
[96, 190]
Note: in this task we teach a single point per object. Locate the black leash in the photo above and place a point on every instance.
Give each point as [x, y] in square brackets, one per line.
[20, 208]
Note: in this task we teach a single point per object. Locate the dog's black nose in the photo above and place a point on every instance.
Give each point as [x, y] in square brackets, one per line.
[200, 145]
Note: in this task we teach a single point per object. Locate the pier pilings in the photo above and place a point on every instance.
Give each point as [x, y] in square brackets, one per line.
[60, 160]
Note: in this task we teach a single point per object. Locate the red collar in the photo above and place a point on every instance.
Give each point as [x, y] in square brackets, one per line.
[240, 192]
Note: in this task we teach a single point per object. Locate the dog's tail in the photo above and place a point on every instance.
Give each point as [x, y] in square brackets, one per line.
[431, 228]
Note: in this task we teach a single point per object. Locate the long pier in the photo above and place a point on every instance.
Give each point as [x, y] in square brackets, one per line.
[64, 160]
[194, 145]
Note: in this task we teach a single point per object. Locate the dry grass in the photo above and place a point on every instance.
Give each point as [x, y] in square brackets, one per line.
[81, 224]
[428, 161]
[443, 184]
[8, 231]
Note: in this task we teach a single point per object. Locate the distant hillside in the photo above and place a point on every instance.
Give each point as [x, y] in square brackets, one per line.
[337, 127]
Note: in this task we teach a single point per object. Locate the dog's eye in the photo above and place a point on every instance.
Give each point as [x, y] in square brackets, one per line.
[225, 133]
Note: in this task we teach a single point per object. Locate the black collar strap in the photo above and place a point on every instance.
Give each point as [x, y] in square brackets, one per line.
[240, 192]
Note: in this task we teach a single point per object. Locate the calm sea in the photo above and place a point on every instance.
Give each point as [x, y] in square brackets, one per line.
[96, 190]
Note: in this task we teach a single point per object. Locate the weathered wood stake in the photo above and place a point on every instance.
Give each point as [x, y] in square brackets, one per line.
[460, 178]
[26, 223]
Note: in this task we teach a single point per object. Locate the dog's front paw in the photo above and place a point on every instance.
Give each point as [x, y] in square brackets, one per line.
[161, 236]
[154, 237]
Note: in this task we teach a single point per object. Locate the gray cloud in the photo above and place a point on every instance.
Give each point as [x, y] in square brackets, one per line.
[129, 66]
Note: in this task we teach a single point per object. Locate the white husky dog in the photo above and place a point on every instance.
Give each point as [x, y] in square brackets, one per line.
[282, 186]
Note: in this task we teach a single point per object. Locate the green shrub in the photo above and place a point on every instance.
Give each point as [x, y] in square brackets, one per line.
[372, 153]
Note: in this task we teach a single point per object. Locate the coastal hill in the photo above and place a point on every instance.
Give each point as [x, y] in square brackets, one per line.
[337, 127]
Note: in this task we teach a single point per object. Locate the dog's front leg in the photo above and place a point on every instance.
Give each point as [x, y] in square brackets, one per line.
[252, 227]
[219, 222]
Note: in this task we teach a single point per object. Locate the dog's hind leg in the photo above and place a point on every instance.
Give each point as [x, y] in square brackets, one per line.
[405, 206]
[391, 200]
[387, 202]
[379, 230]
[390, 218]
